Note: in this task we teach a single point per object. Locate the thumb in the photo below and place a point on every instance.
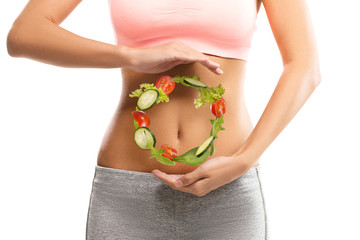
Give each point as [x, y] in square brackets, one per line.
[189, 178]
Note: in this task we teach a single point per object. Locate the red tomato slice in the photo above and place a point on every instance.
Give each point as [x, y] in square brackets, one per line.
[218, 108]
[141, 118]
[165, 84]
[170, 152]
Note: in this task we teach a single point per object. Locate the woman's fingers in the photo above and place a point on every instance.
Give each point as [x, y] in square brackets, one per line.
[193, 55]
[213, 66]
[205, 61]
[166, 56]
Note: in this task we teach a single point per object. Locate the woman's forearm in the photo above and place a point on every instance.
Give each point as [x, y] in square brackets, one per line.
[44, 41]
[295, 86]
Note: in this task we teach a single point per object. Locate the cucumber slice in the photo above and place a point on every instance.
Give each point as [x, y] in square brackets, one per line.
[204, 146]
[143, 135]
[212, 149]
[195, 83]
[147, 99]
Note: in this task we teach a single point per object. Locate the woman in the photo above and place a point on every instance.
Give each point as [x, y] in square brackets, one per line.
[134, 197]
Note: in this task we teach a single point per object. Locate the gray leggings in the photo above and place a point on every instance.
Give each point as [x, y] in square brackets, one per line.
[131, 205]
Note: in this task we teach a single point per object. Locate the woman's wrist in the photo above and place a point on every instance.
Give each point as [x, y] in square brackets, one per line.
[243, 161]
[125, 56]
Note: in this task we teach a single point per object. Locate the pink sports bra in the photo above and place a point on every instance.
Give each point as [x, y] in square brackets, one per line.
[222, 28]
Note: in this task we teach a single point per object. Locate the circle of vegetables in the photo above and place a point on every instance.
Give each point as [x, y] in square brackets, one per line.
[208, 95]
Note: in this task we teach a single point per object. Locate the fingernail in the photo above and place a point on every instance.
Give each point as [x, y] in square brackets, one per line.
[179, 183]
[219, 71]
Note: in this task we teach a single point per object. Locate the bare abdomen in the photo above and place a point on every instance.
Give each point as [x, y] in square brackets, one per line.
[177, 122]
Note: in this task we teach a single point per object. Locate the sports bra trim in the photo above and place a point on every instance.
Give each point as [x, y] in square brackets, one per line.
[218, 28]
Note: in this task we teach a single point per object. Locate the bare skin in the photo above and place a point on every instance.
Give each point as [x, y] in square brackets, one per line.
[177, 122]
[36, 35]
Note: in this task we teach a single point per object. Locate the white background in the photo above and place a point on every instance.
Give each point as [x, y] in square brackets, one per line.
[53, 119]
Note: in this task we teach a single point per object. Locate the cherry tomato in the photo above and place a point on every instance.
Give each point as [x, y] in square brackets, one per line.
[165, 83]
[218, 107]
[170, 152]
[141, 118]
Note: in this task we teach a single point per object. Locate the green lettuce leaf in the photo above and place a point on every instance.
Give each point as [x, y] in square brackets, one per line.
[179, 79]
[147, 86]
[190, 157]
[207, 95]
[157, 154]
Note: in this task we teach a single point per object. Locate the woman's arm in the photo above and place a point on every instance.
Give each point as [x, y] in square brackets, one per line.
[293, 31]
[36, 35]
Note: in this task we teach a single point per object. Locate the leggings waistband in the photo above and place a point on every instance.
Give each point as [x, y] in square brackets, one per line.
[147, 177]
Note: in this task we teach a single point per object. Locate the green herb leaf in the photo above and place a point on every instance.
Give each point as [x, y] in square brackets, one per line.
[147, 86]
[209, 95]
[216, 126]
[136, 125]
[136, 93]
[157, 154]
[177, 79]
[190, 157]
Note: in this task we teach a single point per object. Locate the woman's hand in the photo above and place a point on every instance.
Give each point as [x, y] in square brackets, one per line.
[163, 57]
[210, 175]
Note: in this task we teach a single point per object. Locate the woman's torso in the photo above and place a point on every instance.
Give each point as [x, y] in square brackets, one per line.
[177, 122]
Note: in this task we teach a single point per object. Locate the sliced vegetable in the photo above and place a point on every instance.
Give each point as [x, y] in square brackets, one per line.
[143, 136]
[179, 79]
[170, 152]
[147, 86]
[212, 149]
[147, 99]
[190, 157]
[194, 82]
[165, 84]
[204, 146]
[218, 107]
[141, 118]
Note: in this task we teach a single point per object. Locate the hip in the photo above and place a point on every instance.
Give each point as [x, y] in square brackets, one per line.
[137, 205]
